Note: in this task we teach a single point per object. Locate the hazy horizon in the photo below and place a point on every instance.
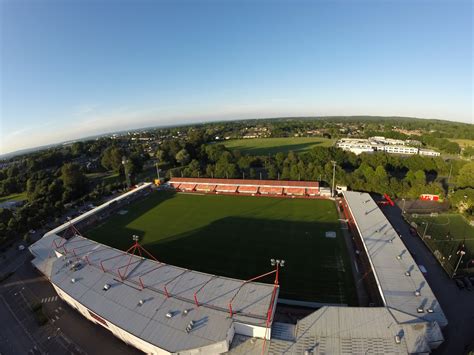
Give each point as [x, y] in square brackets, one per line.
[70, 70]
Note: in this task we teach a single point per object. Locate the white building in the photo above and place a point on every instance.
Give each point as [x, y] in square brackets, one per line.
[429, 152]
[355, 145]
[400, 149]
[381, 144]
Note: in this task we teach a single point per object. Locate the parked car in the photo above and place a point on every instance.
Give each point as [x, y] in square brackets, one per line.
[459, 283]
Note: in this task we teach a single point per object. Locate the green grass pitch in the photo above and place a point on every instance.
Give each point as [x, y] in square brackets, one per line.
[236, 236]
[265, 146]
[447, 231]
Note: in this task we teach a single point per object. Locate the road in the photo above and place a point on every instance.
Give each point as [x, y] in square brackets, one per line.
[458, 305]
[66, 331]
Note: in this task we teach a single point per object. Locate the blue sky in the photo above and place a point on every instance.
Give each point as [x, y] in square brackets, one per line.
[71, 69]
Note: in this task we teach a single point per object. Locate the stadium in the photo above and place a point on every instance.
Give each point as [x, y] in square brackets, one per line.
[197, 277]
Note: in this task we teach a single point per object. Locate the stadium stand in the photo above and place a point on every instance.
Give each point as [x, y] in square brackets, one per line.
[278, 188]
[294, 191]
[271, 190]
[227, 188]
[188, 187]
[205, 188]
[247, 189]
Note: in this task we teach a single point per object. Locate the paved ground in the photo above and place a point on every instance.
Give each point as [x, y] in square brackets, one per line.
[458, 305]
[67, 332]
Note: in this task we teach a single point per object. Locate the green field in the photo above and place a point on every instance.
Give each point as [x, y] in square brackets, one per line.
[236, 236]
[14, 197]
[464, 142]
[265, 146]
[447, 231]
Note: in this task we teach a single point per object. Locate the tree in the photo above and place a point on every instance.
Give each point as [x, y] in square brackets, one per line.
[77, 148]
[193, 169]
[74, 180]
[381, 181]
[182, 157]
[112, 159]
[466, 176]
[463, 200]
[161, 156]
[134, 164]
[272, 171]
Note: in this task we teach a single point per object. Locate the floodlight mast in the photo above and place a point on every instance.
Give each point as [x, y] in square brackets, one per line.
[278, 263]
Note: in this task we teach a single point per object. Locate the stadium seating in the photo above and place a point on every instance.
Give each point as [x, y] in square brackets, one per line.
[187, 187]
[248, 189]
[271, 190]
[253, 187]
[226, 188]
[205, 188]
[294, 191]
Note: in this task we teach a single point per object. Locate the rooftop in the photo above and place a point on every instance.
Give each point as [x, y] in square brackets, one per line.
[403, 287]
[141, 295]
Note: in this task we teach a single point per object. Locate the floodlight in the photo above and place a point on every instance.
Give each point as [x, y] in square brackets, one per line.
[272, 261]
[282, 263]
[135, 238]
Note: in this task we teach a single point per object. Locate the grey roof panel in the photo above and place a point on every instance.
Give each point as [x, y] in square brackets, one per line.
[390, 261]
[121, 305]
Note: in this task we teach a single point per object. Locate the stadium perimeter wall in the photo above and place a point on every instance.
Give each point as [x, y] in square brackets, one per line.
[136, 342]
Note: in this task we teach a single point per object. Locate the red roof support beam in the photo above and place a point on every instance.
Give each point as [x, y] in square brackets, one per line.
[113, 257]
[200, 288]
[170, 281]
[250, 280]
[147, 272]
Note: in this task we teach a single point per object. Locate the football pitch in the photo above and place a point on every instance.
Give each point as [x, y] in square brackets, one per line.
[265, 146]
[236, 236]
[444, 235]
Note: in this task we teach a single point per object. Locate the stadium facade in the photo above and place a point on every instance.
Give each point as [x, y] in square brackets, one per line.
[164, 309]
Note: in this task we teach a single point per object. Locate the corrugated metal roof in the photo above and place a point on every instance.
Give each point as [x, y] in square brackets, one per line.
[243, 182]
[390, 261]
[350, 330]
[120, 305]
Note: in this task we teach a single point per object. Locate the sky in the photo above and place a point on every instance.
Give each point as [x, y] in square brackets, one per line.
[71, 69]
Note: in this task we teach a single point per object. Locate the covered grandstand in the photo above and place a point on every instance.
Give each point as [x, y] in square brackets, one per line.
[278, 188]
[156, 307]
